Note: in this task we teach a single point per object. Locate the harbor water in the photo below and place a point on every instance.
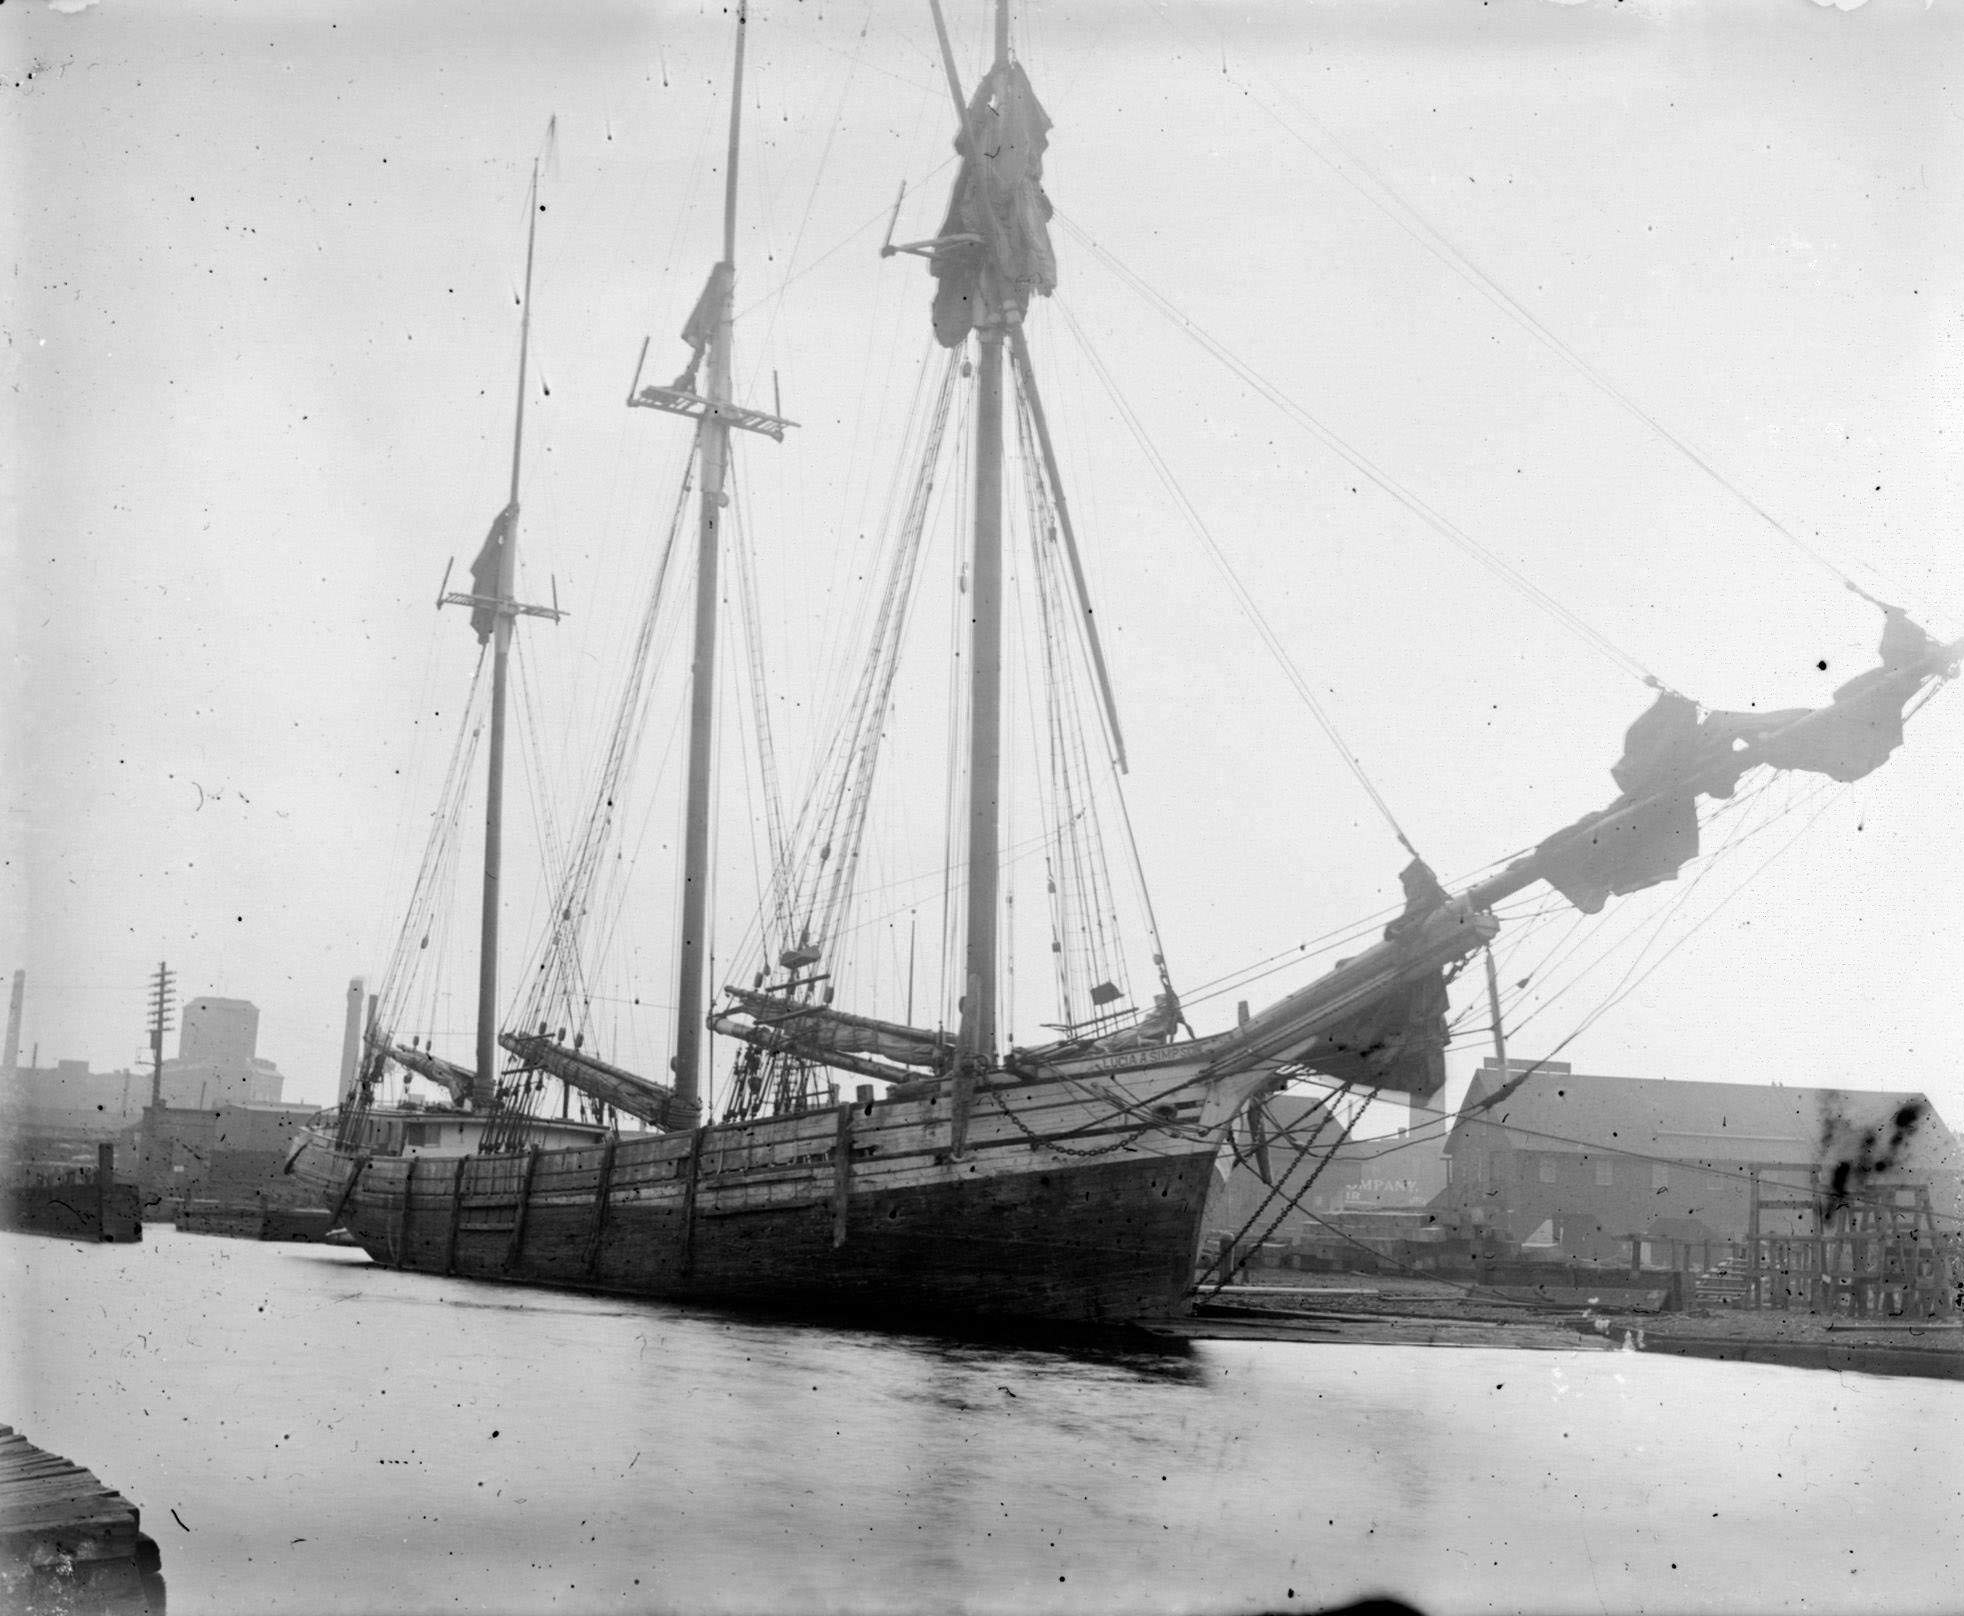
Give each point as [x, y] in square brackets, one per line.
[307, 1432]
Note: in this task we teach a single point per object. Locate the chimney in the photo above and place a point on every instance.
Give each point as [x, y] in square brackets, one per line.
[10, 1061]
[351, 1041]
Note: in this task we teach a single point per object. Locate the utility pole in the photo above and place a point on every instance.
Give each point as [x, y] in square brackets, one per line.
[162, 997]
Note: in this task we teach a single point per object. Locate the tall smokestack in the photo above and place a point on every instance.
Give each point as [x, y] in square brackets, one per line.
[10, 1062]
[351, 1040]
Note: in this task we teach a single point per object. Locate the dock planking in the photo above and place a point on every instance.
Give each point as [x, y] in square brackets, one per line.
[67, 1542]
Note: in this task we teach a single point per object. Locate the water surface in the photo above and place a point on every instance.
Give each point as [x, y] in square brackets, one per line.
[334, 1436]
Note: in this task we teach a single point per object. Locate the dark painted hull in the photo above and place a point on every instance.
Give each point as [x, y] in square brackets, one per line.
[1078, 1198]
[1101, 1242]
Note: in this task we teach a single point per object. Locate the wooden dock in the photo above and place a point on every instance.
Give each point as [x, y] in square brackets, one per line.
[250, 1220]
[1329, 1326]
[1372, 1312]
[72, 1200]
[68, 1544]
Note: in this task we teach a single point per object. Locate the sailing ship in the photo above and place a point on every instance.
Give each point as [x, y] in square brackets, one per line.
[1065, 1180]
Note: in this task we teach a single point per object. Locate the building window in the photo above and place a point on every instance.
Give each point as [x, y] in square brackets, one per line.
[1605, 1173]
[1660, 1176]
[1548, 1172]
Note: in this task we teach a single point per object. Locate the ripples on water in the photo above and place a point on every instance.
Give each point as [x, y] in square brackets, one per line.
[339, 1437]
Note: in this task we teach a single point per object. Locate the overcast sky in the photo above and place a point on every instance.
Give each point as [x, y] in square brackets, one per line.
[261, 322]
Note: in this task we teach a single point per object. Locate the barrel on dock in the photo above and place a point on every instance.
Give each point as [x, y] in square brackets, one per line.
[68, 1543]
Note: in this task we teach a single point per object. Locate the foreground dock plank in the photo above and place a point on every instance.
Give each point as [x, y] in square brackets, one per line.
[68, 1544]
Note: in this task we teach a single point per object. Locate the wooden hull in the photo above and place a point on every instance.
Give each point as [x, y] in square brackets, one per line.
[1070, 1200]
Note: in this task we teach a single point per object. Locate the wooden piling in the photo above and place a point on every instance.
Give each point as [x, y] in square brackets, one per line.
[841, 1175]
[523, 1208]
[601, 1191]
[689, 1198]
[402, 1221]
[347, 1191]
[456, 1216]
[105, 1182]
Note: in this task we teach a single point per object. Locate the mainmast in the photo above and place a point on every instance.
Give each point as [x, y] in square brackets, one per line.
[494, 610]
[716, 415]
[978, 1010]
[486, 1085]
[713, 450]
[992, 253]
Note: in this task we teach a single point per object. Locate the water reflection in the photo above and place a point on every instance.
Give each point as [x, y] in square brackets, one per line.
[342, 1437]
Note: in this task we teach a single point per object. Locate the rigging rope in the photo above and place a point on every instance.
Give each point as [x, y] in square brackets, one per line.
[1242, 597]
[532, 756]
[1738, 834]
[1374, 189]
[1359, 462]
[1083, 904]
[1323, 1113]
[837, 836]
[954, 830]
[776, 297]
[560, 975]
[1579, 934]
[745, 567]
[424, 915]
[1595, 1015]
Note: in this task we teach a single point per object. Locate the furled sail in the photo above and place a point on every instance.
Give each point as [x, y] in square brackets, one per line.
[1397, 1042]
[446, 1074]
[1652, 829]
[1007, 183]
[1398, 1039]
[487, 573]
[1671, 757]
[1855, 735]
[819, 1032]
[700, 328]
[612, 1085]
[1377, 1019]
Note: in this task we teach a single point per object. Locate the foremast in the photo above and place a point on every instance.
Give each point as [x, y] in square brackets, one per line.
[494, 611]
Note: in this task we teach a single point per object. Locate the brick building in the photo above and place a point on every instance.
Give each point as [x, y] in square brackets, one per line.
[1574, 1165]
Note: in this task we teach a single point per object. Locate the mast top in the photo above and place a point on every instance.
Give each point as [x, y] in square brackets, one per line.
[712, 313]
[993, 250]
[736, 115]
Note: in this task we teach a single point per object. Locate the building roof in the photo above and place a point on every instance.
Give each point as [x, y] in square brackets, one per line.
[1560, 1110]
